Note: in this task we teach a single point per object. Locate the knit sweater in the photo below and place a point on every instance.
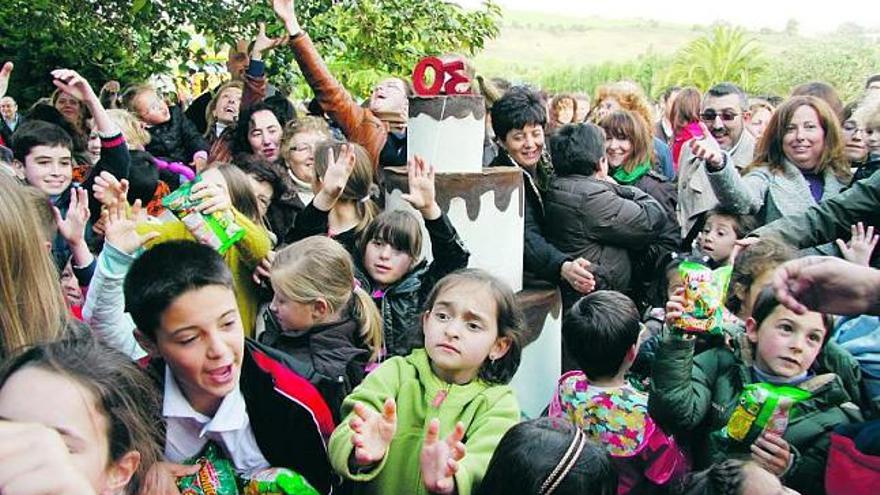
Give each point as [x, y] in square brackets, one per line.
[487, 412]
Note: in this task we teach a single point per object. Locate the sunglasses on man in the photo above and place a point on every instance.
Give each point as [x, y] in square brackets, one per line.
[711, 115]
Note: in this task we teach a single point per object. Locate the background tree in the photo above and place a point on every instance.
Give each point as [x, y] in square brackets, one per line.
[725, 54]
[129, 40]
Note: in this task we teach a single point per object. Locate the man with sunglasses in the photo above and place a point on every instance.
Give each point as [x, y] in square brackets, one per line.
[724, 114]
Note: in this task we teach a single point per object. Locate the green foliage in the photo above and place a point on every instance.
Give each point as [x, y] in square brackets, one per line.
[645, 71]
[129, 40]
[843, 62]
[725, 54]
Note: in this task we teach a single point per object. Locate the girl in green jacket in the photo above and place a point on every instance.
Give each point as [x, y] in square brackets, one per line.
[697, 396]
[429, 422]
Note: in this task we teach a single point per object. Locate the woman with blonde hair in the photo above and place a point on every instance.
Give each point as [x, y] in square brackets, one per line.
[222, 110]
[798, 163]
[30, 293]
[298, 152]
[627, 95]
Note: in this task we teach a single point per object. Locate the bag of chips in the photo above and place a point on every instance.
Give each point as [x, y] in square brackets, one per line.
[278, 481]
[704, 292]
[763, 407]
[216, 475]
[218, 230]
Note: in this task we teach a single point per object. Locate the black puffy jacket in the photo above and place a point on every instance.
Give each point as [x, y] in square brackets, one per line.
[176, 140]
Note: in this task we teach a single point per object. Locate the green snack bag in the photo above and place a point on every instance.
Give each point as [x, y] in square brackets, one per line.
[704, 292]
[278, 481]
[763, 407]
[217, 230]
[216, 476]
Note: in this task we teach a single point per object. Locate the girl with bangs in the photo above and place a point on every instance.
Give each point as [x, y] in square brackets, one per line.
[391, 267]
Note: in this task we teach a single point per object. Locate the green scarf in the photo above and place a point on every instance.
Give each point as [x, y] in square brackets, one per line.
[627, 178]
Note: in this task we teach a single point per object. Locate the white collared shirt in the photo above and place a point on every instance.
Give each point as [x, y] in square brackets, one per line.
[187, 430]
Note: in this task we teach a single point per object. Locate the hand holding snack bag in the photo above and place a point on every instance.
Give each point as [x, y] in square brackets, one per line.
[278, 481]
[704, 293]
[216, 476]
[763, 407]
[218, 229]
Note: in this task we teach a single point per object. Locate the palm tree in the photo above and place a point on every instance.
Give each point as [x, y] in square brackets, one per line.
[725, 54]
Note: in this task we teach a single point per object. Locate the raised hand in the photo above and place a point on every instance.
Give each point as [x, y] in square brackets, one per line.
[120, 229]
[707, 148]
[72, 83]
[335, 178]
[73, 226]
[108, 189]
[860, 246]
[675, 307]
[286, 13]
[373, 432]
[439, 459]
[264, 43]
[422, 194]
[5, 74]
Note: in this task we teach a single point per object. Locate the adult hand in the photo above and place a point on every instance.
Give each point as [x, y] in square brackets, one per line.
[828, 285]
[577, 274]
[161, 479]
[34, 461]
[110, 87]
[439, 459]
[74, 84]
[373, 432]
[772, 453]
[707, 148]
[5, 74]
[264, 43]
[108, 189]
[263, 271]
[860, 246]
[422, 194]
[335, 178]
[286, 13]
[72, 228]
[120, 230]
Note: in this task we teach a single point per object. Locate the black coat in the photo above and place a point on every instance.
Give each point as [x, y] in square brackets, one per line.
[176, 140]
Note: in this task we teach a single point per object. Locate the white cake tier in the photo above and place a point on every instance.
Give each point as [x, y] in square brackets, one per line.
[448, 132]
[486, 208]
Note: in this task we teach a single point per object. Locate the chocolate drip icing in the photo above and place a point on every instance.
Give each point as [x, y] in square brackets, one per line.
[441, 107]
[536, 304]
[470, 187]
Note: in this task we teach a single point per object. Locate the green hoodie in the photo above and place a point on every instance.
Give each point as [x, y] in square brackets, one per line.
[486, 410]
[695, 397]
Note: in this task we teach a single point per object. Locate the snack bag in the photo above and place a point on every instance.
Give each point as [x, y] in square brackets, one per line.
[217, 230]
[278, 481]
[215, 477]
[763, 407]
[704, 292]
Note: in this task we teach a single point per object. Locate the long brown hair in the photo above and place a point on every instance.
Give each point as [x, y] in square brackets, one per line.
[630, 97]
[685, 108]
[769, 154]
[623, 124]
[33, 308]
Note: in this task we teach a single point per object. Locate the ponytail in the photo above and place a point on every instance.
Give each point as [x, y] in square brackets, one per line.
[365, 311]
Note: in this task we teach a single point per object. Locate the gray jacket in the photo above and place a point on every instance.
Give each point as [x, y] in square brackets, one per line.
[769, 195]
[695, 194]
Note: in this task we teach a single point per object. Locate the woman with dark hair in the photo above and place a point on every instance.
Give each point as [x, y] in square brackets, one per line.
[798, 163]
[518, 119]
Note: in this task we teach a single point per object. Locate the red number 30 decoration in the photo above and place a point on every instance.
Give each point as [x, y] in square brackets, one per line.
[447, 76]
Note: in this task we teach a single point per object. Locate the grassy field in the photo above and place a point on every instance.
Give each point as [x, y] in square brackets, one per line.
[532, 43]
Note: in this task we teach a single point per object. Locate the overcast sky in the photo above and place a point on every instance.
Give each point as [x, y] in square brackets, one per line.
[812, 15]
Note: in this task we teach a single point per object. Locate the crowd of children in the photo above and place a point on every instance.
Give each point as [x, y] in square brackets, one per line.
[192, 310]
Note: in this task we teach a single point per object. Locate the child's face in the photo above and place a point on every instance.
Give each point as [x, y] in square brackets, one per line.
[202, 341]
[385, 264]
[461, 332]
[673, 282]
[151, 109]
[70, 286]
[294, 316]
[873, 139]
[49, 169]
[36, 395]
[718, 237]
[786, 344]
